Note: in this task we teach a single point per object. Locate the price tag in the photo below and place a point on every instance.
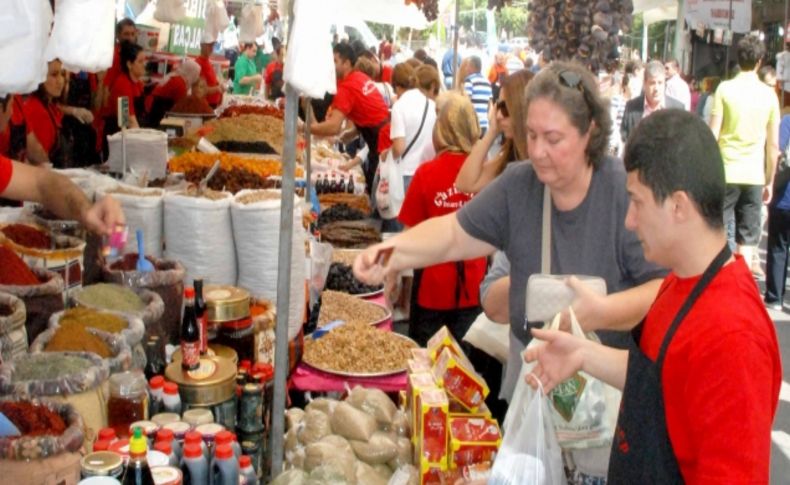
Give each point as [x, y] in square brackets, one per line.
[123, 112]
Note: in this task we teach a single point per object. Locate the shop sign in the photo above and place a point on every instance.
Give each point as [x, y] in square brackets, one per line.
[185, 35]
[716, 14]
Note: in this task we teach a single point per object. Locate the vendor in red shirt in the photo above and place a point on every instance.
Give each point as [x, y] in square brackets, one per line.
[447, 293]
[173, 89]
[125, 31]
[213, 87]
[359, 101]
[701, 385]
[13, 136]
[273, 76]
[128, 84]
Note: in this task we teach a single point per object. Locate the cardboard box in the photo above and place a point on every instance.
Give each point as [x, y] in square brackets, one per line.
[441, 340]
[457, 410]
[416, 366]
[473, 441]
[460, 380]
[414, 385]
[421, 355]
[432, 433]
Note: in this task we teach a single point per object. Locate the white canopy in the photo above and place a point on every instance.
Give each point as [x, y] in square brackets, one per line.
[656, 10]
[391, 12]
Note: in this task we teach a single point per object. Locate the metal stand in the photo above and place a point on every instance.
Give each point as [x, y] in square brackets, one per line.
[308, 169]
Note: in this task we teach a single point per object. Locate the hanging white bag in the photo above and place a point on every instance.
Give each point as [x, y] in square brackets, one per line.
[308, 61]
[82, 35]
[171, 11]
[198, 233]
[23, 56]
[251, 23]
[216, 21]
[530, 454]
[143, 209]
[389, 191]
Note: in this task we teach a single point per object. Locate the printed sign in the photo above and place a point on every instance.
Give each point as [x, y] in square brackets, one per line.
[716, 14]
[185, 35]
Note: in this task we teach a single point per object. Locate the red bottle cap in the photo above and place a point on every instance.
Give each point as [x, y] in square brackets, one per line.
[193, 451]
[165, 435]
[244, 461]
[171, 388]
[101, 445]
[121, 447]
[156, 382]
[164, 446]
[107, 434]
[245, 364]
[224, 437]
[223, 452]
[189, 292]
[193, 437]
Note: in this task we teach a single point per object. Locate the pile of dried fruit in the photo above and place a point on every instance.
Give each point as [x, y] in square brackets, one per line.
[249, 109]
[339, 212]
[341, 278]
[336, 305]
[350, 234]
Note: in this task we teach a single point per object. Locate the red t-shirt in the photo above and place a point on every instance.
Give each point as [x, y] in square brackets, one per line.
[123, 86]
[432, 193]
[721, 376]
[386, 74]
[269, 73]
[42, 120]
[207, 73]
[6, 170]
[385, 142]
[114, 72]
[358, 99]
[5, 141]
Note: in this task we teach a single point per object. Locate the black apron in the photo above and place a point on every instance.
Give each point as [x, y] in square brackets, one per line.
[371, 136]
[62, 151]
[641, 450]
[18, 134]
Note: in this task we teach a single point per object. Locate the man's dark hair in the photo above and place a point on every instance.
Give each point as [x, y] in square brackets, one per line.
[123, 23]
[247, 45]
[421, 55]
[345, 52]
[674, 150]
[750, 51]
[129, 52]
[474, 61]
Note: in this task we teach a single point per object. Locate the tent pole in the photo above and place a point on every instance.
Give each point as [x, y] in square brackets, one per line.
[455, 42]
[680, 27]
[308, 115]
[644, 38]
[281, 357]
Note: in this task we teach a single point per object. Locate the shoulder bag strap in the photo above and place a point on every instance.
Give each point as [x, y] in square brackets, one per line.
[419, 130]
[545, 246]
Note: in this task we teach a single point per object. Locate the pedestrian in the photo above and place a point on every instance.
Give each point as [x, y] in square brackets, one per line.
[652, 99]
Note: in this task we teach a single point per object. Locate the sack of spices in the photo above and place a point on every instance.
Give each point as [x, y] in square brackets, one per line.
[143, 210]
[256, 230]
[13, 336]
[198, 233]
[76, 378]
[76, 338]
[47, 428]
[167, 280]
[42, 295]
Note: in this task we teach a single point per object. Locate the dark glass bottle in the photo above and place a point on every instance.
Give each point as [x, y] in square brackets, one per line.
[190, 333]
[342, 185]
[137, 470]
[201, 315]
[319, 185]
[350, 184]
[154, 356]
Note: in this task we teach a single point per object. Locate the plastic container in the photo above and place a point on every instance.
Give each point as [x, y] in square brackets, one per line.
[209, 433]
[224, 467]
[195, 438]
[101, 445]
[165, 418]
[128, 401]
[250, 419]
[167, 475]
[156, 386]
[101, 463]
[171, 402]
[107, 434]
[166, 447]
[149, 430]
[246, 470]
[99, 481]
[194, 466]
[167, 436]
[198, 416]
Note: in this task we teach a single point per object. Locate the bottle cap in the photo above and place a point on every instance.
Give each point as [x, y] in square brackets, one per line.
[245, 364]
[223, 452]
[224, 437]
[164, 446]
[189, 292]
[193, 437]
[165, 435]
[107, 434]
[101, 445]
[192, 451]
[245, 461]
[138, 444]
[156, 382]
[171, 388]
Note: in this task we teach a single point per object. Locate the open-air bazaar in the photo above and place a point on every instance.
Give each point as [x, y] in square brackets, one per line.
[393, 242]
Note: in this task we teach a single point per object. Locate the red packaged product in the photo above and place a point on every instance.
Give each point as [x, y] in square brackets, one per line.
[460, 380]
[473, 441]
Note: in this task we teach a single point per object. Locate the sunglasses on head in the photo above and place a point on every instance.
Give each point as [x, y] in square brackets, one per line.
[573, 80]
[501, 106]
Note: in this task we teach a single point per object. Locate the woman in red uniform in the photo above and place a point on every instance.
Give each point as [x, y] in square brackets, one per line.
[172, 90]
[128, 84]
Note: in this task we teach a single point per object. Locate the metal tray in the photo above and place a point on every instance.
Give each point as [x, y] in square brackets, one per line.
[360, 374]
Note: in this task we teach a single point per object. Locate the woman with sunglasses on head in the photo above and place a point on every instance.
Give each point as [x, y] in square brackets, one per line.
[504, 118]
[567, 125]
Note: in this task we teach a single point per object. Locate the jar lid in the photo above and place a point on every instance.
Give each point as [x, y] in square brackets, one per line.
[157, 458]
[178, 427]
[121, 447]
[226, 303]
[213, 382]
[129, 383]
[99, 481]
[166, 475]
[149, 427]
[165, 418]
[208, 431]
[101, 463]
[196, 417]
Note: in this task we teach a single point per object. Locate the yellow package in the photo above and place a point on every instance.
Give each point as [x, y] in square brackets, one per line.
[432, 431]
[460, 380]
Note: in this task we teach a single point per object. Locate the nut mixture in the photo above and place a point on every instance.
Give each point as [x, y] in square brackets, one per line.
[336, 305]
[259, 196]
[138, 193]
[345, 256]
[192, 191]
[360, 348]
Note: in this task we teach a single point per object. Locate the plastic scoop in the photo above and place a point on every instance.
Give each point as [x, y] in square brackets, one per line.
[143, 265]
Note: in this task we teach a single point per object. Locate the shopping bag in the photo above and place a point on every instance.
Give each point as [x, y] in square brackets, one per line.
[548, 294]
[530, 454]
[171, 11]
[389, 191]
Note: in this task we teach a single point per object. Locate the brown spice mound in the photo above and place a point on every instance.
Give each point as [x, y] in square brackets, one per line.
[73, 338]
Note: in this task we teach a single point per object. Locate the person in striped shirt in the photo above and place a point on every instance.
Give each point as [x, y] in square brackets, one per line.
[477, 87]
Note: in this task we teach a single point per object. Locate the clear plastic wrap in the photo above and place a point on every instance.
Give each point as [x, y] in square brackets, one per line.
[41, 301]
[121, 354]
[96, 372]
[133, 334]
[43, 446]
[82, 36]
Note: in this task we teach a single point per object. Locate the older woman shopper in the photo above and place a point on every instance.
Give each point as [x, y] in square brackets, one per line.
[567, 127]
[173, 89]
[505, 121]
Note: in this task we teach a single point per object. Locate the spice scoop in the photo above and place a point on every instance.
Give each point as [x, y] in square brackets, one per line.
[204, 183]
[7, 428]
[143, 265]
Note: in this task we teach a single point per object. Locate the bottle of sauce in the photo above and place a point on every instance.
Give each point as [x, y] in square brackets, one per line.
[247, 471]
[154, 355]
[172, 400]
[224, 467]
[350, 184]
[190, 333]
[128, 401]
[137, 470]
[195, 438]
[156, 387]
[201, 314]
[167, 436]
[342, 185]
[194, 467]
[319, 185]
[167, 448]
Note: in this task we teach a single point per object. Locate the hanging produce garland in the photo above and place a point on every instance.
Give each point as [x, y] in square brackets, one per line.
[581, 30]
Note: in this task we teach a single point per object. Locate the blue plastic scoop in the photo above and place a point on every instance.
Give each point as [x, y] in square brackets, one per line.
[143, 265]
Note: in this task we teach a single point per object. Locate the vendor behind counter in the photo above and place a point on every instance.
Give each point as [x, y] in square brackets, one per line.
[173, 89]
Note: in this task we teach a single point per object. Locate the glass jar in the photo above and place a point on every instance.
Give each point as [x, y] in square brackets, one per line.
[128, 401]
[239, 335]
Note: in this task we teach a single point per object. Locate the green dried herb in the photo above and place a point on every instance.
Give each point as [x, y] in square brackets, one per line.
[48, 366]
[110, 297]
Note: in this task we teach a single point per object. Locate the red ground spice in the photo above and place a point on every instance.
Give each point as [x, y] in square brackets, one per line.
[33, 420]
[27, 236]
[14, 271]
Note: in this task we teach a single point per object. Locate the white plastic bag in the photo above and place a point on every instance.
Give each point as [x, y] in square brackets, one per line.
[308, 62]
[530, 454]
[82, 35]
[583, 408]
[146, 152]
[251, 23]
[171, 11]
[256, 229]
[198, 233]
[389, 191]
[490, 337]
[216, 21]
[23, 56]
[144, 211]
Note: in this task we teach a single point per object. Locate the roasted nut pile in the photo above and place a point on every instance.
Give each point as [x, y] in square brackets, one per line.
[350, 234]
[137, 193]
[259, 196]
[336, 305]
[359, 348]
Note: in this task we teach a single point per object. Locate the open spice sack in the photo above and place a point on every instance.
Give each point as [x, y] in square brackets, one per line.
[74, 338]
[40, 290]
[256, 230]
[13, 336]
